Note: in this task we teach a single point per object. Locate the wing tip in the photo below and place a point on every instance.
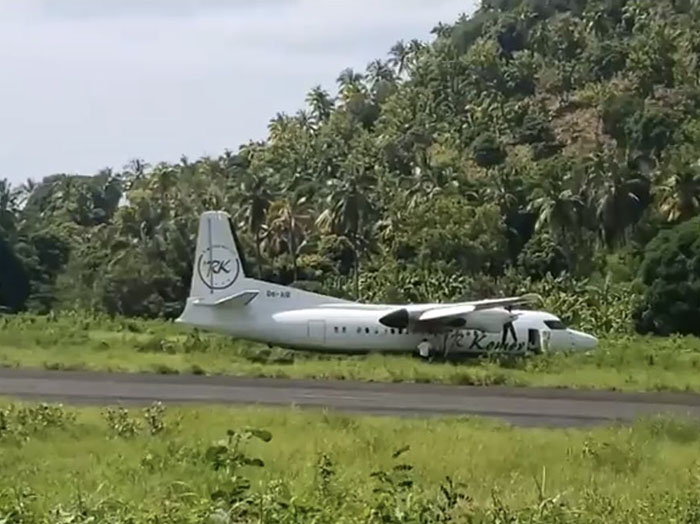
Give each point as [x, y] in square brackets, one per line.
[532, 297]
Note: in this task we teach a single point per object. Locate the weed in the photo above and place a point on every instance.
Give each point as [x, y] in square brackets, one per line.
[325, 474]
[154, 416]
[120, 423]
[228, 457]
[23, 422]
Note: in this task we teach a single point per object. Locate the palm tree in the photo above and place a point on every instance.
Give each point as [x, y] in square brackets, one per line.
[288, 221]
[348, 77]
[24, 192]
[560, 210]
[347, 213]
[404, 56]
[279, 126]
[256, 204]
[399, 55]
[350, 83]
[8, 210]
[441, 30]
[136, 167]
[133, 172]
[321, 103]
[415, 48]
[305, 120]
[679, 193]
[378, 71]
[620, 202]
[557, 206]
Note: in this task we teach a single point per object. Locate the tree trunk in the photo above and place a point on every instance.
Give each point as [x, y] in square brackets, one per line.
[258, 254]
[357, 268]
[293, 253]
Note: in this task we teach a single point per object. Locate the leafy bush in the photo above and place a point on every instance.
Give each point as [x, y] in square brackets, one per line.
[542, 256]
[154, 418]
[671, 273]
[120, 423]
[23, 422]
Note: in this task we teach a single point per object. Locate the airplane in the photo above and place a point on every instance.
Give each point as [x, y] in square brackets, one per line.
[225, 299]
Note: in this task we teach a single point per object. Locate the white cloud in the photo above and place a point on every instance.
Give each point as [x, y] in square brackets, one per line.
[93, 83]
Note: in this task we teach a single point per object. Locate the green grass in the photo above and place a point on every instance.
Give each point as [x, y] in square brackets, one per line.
[72, 341]
[73, 459]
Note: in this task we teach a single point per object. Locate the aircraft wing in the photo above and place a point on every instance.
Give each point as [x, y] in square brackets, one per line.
[464, 308]
[448, 312]
[444, 313]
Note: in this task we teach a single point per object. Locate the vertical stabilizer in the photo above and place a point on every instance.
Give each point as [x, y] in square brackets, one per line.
[218, 270]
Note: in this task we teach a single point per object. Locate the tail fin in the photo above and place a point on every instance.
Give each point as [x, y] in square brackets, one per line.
[219, 268]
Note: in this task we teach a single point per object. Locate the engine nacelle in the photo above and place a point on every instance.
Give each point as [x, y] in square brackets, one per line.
[489, 320]
[398, 319]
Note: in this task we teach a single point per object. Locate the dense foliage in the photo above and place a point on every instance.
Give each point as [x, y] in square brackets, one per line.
[671, 271]
[536, 138]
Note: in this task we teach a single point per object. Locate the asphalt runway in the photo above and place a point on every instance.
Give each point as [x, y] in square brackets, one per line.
[520, 406]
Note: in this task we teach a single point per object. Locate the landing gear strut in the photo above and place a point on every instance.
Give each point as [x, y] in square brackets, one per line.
[445, 345]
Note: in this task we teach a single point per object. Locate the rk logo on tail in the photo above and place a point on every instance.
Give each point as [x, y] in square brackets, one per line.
[218, 267]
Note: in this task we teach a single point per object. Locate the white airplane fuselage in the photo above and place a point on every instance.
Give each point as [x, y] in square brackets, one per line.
[358, 330]
[224, 300]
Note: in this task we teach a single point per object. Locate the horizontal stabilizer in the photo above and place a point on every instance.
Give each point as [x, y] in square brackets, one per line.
[237, 300]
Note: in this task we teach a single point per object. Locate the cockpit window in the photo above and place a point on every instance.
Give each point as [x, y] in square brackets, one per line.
[555, 324]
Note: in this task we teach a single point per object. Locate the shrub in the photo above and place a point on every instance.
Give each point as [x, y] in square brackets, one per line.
[671, 273]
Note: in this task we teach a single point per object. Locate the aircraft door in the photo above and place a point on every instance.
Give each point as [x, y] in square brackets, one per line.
[534, 341]
[317, 331]
[545, 340]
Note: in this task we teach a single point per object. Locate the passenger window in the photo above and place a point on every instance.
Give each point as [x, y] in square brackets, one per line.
[392, 331]
[336, 329]
[367, 330]
[344, 330]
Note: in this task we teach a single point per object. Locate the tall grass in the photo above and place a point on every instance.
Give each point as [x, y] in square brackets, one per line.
[95, 342]
[266, 465]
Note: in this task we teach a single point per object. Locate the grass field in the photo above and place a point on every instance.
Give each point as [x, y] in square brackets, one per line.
[72, 341]
[162, 465]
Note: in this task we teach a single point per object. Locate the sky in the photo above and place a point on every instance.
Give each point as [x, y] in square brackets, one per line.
[88, 84]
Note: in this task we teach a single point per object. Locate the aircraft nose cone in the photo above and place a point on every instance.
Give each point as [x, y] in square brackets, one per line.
[591, 341]
[584, 340]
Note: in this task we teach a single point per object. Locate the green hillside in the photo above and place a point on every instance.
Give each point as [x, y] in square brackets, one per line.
[536, 145]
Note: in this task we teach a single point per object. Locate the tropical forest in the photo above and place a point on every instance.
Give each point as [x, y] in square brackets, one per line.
[546, 146]
[531, 146]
